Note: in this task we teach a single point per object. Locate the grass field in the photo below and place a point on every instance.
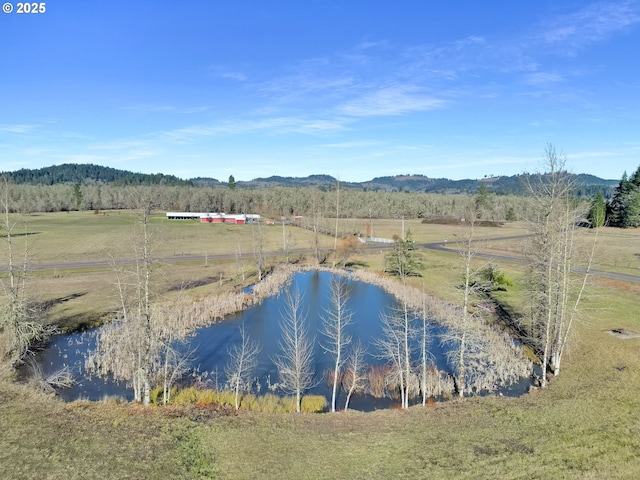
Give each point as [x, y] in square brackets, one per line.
[584, 425]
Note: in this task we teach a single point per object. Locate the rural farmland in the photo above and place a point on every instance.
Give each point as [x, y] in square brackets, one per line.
[320, 240]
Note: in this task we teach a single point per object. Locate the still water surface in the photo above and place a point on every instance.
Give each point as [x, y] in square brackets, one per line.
[210, 344]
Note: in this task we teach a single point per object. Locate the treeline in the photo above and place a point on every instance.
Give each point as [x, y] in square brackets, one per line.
[71, 173]
[272, 202]
[89, 174]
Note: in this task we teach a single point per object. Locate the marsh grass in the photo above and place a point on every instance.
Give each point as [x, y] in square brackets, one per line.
[268, 403]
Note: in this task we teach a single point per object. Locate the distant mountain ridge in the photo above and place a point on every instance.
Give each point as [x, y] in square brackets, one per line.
[91, 174]
[95, 174]
[588, 184]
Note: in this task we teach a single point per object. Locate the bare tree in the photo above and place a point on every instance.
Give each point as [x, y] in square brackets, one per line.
[19, 326]
[175, 364]
[426, 358]
[355, 372]
[396, 348]
[467, 350]
[240, 261]
[336, 322]
[316, 217]
[144, 264]
[242, 361]
[555, 293]
[258, 248]
[295, 362]
[137, 345]
[48, 383]
[347, 248]
[288, 241]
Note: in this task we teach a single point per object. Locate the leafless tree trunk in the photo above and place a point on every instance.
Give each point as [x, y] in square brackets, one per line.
[336, 322]
[258, 248]
[467, 352]
[354, 378]
[239, 261]
[243, 359]
[19, 327]
[554, 291]
[425, 356]
[137, 345]
[395, 348]
[175, 364]
[144, 262]
[465, 329]
[287, 242]
[295, 362]
[316, 215]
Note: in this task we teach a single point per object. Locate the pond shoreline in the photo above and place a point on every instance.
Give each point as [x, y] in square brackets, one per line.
[192, 315]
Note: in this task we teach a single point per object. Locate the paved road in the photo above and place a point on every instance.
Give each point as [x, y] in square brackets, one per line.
[437, 246]
[440, 247]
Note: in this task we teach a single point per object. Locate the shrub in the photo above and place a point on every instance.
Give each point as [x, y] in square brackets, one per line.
[313, 404]
[226, 398]
[249, 402]
[185, 396]
[156, 395]
[194, 396]
[269, 403]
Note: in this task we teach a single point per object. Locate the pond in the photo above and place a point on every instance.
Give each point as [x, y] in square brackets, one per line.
[210, 344]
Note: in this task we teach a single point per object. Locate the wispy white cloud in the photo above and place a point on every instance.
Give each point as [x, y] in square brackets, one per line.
[238, 76]
[392, 100]
[627, 150]
[542, 78]
[153, 108]
[17, 128]
[307, 86]
[543, 123]
[228, 73]
[354, 144]
[275, 125]
[588, 25]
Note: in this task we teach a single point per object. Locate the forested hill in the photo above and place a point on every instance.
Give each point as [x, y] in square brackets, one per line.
[588, 185]
[319, 181]
[88, 174]
[84, 174]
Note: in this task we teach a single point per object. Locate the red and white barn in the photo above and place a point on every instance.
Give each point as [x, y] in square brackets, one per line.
[236, 219]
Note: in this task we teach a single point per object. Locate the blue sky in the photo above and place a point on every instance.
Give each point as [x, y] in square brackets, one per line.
[353, 89]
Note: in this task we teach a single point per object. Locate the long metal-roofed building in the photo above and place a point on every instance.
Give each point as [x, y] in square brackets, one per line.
[237, 219]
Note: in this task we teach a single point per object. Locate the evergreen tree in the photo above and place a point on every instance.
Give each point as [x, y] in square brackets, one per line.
[232, 182]
[404, 260]
[77, 195]
[597, 211]
[624, 209]
[482, 201]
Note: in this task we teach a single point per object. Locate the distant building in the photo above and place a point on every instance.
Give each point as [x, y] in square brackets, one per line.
[239, 219]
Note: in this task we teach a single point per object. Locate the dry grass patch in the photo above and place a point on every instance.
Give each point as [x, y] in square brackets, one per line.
[43, 438]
